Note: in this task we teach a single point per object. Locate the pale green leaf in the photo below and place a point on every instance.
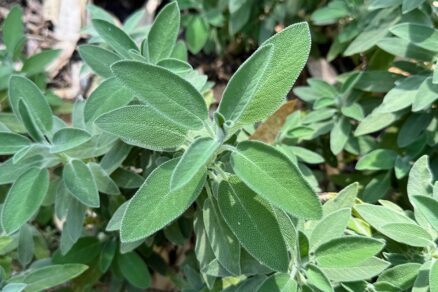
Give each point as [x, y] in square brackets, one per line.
[316, 278]
[253, 223]
[13, 30]
[423, 36]
[377, 160]
[278, 179]
[421, 283]
[427, 94]
[103, 181]
[428, 207]
[278, 283]
[165, 91]
[38, 63]
[194, 160]
[11, 143]
[365, 270]
[401, 276]
[115, 37]
[133, 268]
[99, 59]
[433, 277]
[330, 227]
[339, 135]
[142, 126]
[344, 199]
[375, 122]
[24, 199]
[197, 33]
[164, 32]
[68, 138]
[410, 234]
[154, 205]
[80, 182]
[43, 278]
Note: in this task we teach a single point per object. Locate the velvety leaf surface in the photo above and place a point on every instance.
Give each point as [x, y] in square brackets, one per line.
[330, 227]
[142, 126]
[11, 143]
[154, 205]
[80, 182]
[278, 179]
[279, 283]
[365, 270]
[99, 59]
[68, 138]
[165, 91]
[24, 199]
[253, 223]
[134, 269]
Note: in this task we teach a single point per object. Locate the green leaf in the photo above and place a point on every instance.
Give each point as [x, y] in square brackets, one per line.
[103, 181]
[165, 91]
[68, 138]
[24, 199]
[347, 251]
[14, 287]
[365, 270]
[278, 283]
[344, 199]
[115, 37]
[433, 277]
[316, 278]
[21, 88]
[11, 143]
[377, 160]
[420, 35]
[73, 226]
[428, 207]
[420, 179]
[241, 102]
[273, 176]
[375, 122]
[253, 223]
[154, 205]
[37, 63]
[10, 171]
[107, 255]
[409, 5]
[194, 160]
[13, 31]
[401, 276]
[376, 81]
[330, 227]
[421, 283]
[223, 243]
[142, 126]
[303, 154]
[197, 33]
[108, 96]
[134, 270]
[99, 59]
[413, 128]
[43, 278]
[427, 94]
[402, 95]
[164, 32]
[80, 182]
[116, 219]
[25, 245]
[84, 251]
[339, 135]
[410, 234]
[402, 48]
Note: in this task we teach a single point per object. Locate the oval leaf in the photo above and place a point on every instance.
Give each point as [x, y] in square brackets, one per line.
[80, 182]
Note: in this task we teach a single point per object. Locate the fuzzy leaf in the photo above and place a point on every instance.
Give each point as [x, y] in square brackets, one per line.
[21, 88]
[420, 35]
[253, 223]
[68, 138]
[37, 63]
[13, 30]
[165, 91]
[428, 207]
[377, 159]
[401, 276]
[99, 59]
[410, 234]
[154, 205]
[194, 160]
[133, 268]
[164, 32]
[115, 37]
[273, 176]
[347, 251]
[365, 270]
[11, 143]
[317, 278]
[279, 283]
[80, 182]
[330, 227]
[142, 126]
[24, 199]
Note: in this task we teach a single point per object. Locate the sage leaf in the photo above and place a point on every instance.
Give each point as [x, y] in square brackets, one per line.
[99, 59]
[115, 37]
[133, 268]
[317, 279]
[154, 205]
[278, 179]
[24, 199]
[13, 31]
[108, 96]
[68, 138]
[43, 278]
[347, 251]
[339, 135]
[194, 160]
[197, 33]
[240, 102]
[253, 223]
[377, 159]
[165, 91]
[142, 126]
[80, 182]
[279, 283]
[362, 271]
[428, 207]
[330, 227]
[420, 179]
[164, 32]
[21, 88]
[116, 219]
[223, 243]
[344, 199]
[410, 234]
[401, 276]
[423, 36]
[37, 63]
[433, 277]
[11, 143]
[421, 283]
[427, 94]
